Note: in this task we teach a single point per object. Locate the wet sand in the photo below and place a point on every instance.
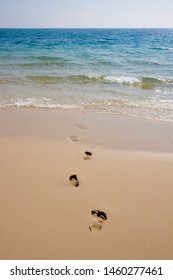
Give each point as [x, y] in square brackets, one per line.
[121, 206]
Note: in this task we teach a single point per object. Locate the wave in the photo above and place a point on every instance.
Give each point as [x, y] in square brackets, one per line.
[45, 79]
[12, 80]
[37, 103]
[139, 82]
[151, 109]
[41, 64]
[85, 78]
[123, 80]
[147, 62]
[144, 82]
[34, 64]
[151, 83]
[49, 58]
[162, 48]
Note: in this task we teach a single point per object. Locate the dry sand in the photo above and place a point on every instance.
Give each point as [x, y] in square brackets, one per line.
[129, 177]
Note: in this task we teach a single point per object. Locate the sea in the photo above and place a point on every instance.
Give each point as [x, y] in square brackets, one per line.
[119, 71]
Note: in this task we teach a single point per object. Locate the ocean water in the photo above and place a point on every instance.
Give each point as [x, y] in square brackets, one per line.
[121, 71]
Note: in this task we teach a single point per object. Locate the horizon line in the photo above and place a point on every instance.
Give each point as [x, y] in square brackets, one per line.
[86, 27]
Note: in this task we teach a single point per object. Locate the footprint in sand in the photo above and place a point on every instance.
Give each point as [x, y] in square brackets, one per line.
[98, 217]
[73, 138]
[81, 126]
[87, 155]
[74, 180]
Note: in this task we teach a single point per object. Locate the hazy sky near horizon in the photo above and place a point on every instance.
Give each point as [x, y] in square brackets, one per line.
[86, 13]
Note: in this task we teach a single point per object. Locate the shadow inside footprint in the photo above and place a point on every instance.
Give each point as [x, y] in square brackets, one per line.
[74, 180]
[99, 214]
[87, 155]
[98, 218]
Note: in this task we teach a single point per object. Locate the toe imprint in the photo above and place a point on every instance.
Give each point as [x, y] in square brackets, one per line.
[99, 214]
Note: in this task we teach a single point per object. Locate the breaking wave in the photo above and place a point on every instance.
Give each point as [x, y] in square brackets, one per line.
[143, 82]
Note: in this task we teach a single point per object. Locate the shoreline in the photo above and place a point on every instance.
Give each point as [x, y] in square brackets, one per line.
[128, 177]
[108, 130]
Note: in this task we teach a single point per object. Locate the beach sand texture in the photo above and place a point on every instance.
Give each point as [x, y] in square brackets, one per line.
[121, 206]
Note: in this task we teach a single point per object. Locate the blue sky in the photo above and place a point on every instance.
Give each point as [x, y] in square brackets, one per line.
[86, 13]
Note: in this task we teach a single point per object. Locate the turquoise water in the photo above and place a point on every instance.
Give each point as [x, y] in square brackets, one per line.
[123, 71]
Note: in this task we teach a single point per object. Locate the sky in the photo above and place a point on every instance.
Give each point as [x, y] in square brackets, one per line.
[86, 13]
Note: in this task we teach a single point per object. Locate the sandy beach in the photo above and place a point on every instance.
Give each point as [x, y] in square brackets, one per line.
[122, 207]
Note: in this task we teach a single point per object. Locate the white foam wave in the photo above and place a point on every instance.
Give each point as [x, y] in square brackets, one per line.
[123, 80]
[43, 103]
[115, 79]
[167, 48]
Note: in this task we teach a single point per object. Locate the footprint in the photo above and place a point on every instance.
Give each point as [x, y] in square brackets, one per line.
[73, 138]
[97, 220]
[74, 180]
[81, 126]
[87, 155]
